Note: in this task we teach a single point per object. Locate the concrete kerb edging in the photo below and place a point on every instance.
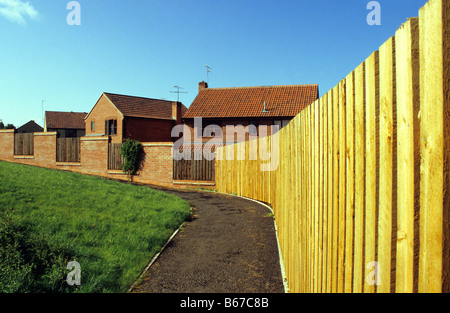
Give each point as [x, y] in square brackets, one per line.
[283, 272]
[156, 256]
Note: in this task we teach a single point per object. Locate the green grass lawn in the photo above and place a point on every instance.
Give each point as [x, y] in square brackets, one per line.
[49, 218]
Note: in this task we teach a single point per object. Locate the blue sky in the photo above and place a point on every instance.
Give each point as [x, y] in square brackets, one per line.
[146, 47]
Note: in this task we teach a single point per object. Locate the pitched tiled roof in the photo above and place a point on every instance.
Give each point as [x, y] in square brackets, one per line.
[30, 127]
[143, 107]
[281, 101]
[67, 120]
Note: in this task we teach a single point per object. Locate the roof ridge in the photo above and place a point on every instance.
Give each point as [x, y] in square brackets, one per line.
[122, 95]
[66, 112]
[267, 86]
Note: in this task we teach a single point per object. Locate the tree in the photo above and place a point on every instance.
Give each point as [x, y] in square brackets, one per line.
[8, 126]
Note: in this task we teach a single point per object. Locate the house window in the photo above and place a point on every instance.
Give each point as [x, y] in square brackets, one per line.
[253, 128]
[71, 133]
[277, 123]
[111, 127]
[281, 123]
[211, 131]
[92, 126]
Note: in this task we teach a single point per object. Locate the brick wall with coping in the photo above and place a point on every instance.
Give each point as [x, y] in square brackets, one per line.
[94, 155]
[45, 149]
[158, 163]
[157, 167]
[6, 145]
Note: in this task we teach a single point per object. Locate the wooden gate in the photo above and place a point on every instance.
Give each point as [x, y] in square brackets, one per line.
[115, 158]
[68, 150]
[24, 144]
[197, 168]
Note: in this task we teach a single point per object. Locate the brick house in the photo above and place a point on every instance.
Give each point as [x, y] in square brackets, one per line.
[258, 106]
[143, 119]
[66, 124]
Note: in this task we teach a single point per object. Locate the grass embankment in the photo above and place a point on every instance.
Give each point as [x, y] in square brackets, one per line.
[49, 218]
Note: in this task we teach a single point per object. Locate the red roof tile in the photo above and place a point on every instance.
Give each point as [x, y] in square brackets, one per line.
[67, 120]
[281, 101]
[143, 107]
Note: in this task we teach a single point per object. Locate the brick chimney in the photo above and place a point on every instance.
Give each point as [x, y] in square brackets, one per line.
[176, 112]
[202, 85]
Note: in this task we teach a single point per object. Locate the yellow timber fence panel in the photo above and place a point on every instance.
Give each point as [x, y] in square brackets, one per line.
[360, 180]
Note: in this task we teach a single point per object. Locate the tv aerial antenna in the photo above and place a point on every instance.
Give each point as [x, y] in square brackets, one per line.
[208, 70]
[178, 92]
[42, 107]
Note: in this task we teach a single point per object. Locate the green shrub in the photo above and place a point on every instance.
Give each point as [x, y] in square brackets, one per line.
[132, 151]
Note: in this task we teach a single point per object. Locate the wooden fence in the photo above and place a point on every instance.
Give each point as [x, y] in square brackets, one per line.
[68, 150]
[197, 168]
[361, 193]
[115, 158]
[24, 144]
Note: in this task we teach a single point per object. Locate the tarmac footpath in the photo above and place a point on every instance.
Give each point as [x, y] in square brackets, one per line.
[229, 246]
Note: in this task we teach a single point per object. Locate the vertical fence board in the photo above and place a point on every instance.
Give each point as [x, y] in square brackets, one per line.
[387, 102]
[349, 181]
[320, 193]
[371, 96]
[316, 194]
[329, 195]
[445, 27]
[407, 112]
[337, 94]
[309, 198]
[346, 98]
[301, 201]
[297, 192]
[325, 192]
[434, 145]
[360, 138]
[296, 185]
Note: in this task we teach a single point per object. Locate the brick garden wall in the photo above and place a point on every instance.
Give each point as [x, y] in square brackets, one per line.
[6, 145]
[157, 167]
